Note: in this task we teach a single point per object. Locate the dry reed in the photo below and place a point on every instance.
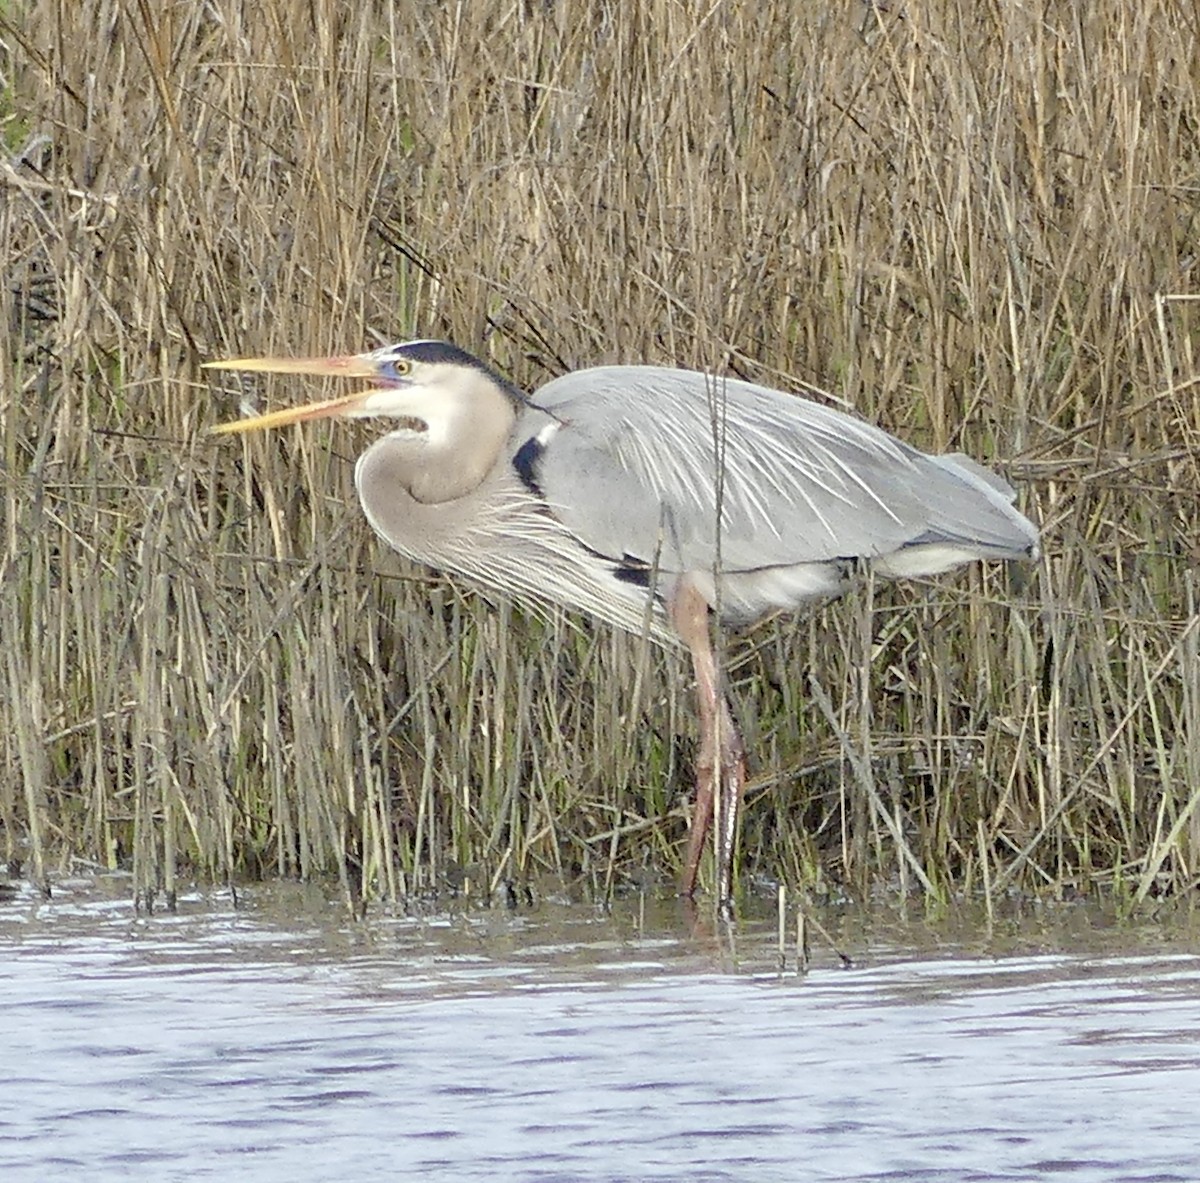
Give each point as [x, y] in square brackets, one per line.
[976, 224]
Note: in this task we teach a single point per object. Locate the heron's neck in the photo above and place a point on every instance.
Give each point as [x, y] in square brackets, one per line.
[461, 443]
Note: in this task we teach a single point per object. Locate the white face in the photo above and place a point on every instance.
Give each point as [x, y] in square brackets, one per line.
[428, 386]
[436, 400]
[448, 417]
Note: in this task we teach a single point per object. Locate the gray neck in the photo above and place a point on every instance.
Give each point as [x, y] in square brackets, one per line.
[461, 445]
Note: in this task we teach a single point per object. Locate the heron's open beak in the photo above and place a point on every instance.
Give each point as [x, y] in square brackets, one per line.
[356, 366]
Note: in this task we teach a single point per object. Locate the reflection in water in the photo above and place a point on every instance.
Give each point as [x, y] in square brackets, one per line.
[278, 1042]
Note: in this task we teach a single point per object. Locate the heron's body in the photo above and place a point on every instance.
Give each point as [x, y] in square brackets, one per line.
[644, 495]
[604, 485]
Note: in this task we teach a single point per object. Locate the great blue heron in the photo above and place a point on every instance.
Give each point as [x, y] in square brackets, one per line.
[651, 497]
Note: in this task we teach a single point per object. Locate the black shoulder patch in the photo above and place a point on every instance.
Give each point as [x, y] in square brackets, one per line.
[527, 461]
[634, 572]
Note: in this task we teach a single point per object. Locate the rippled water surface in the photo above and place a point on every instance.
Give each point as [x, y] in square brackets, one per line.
[278, 1041]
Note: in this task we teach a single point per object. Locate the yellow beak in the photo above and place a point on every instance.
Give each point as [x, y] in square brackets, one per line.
[354, 366]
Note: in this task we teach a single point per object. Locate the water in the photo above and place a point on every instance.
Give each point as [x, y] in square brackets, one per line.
[277, 1041]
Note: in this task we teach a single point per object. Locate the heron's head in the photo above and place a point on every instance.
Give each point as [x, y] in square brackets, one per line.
[428, 387]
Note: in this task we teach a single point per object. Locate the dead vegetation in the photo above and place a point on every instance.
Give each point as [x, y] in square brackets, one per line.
[977, 225]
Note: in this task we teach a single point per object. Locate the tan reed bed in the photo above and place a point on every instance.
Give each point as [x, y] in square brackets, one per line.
[974, 224]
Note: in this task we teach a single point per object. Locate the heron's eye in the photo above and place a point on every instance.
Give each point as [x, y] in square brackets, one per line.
[402, 366]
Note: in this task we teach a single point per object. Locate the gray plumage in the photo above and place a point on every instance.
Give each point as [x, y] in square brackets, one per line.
[604, 486]
[647, 497]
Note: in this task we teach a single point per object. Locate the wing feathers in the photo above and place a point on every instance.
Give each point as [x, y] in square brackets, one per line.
[645, 455]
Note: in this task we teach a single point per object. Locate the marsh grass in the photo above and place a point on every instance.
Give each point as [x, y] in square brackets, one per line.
[976, 225]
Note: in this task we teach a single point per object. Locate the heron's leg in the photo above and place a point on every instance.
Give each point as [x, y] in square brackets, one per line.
[689, 615]
[720, 746]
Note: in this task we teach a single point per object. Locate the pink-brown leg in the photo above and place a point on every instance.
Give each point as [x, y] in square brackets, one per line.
[705, 792]
[720, 762]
